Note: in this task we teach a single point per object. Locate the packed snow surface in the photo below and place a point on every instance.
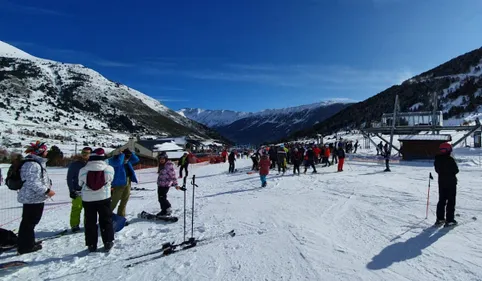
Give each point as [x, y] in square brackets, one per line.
[361, 224]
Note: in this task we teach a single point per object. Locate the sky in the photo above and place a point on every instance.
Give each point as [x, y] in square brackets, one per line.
[247, 55]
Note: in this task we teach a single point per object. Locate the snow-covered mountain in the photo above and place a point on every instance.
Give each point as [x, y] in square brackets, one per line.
[69, 102]
[266, 125]
[213, 118]
[457, 83]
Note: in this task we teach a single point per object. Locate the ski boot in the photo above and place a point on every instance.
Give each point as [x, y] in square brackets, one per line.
[451, 223]
[439, 223]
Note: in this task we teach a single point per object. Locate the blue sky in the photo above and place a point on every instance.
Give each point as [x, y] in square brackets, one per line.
[247, 55]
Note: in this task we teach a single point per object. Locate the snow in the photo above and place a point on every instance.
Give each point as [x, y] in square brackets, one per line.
[361, 224]
[9, 51]
[168, 146]
[416, 106]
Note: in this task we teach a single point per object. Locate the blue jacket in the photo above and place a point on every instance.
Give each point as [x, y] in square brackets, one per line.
[120, 175]
[73, 175]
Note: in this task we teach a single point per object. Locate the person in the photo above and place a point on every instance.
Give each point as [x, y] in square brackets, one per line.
[310, 160]
[380, 148]
[165, 179]
[317, 151]
[326, 157]
[95, 180]
[231, 160]
[124, 174]
[281, 159]
[296, 158]
[255, 159]
[35, 190]
[340, 152]
[273, 157]
[75, 189]
[447, 171]
[183, 163]
[224, 155]
[356, 146]
[334, 156]
[264, 167]
[386, 154]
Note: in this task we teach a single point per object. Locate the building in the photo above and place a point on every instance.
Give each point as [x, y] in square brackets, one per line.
[417, 147]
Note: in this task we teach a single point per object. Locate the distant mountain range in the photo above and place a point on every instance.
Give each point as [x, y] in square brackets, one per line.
[44, 98]
[267, 125]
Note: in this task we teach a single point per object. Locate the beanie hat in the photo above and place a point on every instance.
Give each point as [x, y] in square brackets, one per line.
[445, 148]
[163, 155]
[37, 148]
[97, 154]
[127, 152]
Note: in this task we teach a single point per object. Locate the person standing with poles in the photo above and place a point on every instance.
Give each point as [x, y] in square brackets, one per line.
[183, 163]
[74, 187]
[386, 154]
[447, 171]
[341, 156]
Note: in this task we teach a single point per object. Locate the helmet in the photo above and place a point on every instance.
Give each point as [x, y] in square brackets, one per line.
[37, 148]
[445, 147]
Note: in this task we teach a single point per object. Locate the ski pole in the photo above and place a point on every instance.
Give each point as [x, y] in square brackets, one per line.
[184, 190]
[428, 194]
[192, 216]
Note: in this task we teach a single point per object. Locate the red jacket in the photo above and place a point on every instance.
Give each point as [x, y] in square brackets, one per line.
[317, 151]
[327, 152]
[224, 154]
[264, 165]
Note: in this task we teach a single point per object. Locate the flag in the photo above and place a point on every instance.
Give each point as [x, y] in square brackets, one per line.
[431, 176]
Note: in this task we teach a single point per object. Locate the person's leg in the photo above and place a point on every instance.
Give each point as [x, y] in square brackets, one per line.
[162, 196]
[442, 202]
[105, 221]
[126, 193]
[31, 215]
[116, 195]
[91, 235]
[75, 212]
[450, 211]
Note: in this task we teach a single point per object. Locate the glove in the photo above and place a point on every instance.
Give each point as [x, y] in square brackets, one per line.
[75, 194]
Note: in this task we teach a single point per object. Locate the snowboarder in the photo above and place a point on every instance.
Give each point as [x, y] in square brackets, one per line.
[166, 179]
[95, 180]
[75, 189]
[184, 164]
[447, 169]
[341, 157]
[35, 190]
[231, 160]
[264, 165]
[124, 175]
[296, 158]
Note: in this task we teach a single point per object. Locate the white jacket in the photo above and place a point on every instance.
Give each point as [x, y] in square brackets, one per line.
[89, 195]
[35, 183]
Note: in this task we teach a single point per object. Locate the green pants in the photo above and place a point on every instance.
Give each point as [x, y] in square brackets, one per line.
[75, 211]
[121, 193]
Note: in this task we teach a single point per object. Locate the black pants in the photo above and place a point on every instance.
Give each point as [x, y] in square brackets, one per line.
[281, 166]
[446, 203]
[387, 164]
[255, 164]
[31, 215]
[296, 167]
[91, 210]
[273, 164]
[310, 163]
[334, 159]
[325, 160]
[185, 169]
[231, 167]
[162, 197]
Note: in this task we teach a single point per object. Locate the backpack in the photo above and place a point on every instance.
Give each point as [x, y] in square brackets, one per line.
[7, 238]
[14, 180]
[95, 180]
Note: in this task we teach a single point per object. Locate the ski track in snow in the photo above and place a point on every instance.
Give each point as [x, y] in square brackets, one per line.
[361, 224]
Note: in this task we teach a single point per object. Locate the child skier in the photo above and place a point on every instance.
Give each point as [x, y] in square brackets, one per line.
[447, 170]
[264, 166]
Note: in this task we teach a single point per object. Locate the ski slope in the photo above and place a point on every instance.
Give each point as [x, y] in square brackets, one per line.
[361, 224]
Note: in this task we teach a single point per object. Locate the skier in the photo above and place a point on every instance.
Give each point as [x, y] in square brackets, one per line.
[380, 149]
[35, 190]
[95, 179]
[183, 163]
[356, 146]
[386, 154]
[326, 157]
[166, 179]
[341, 157]
[447, 169]
[231, 160]
[74, 187]
[309, 160]
[124, 175]
[255, 158]
[282, 159]
[264, 165]
[224, 155]
[296, 158]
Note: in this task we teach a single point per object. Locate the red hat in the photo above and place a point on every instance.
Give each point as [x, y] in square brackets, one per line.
[37, 148]
[97, 154]
[445, 148]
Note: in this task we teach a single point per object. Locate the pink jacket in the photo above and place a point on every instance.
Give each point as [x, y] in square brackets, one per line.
[167, 176]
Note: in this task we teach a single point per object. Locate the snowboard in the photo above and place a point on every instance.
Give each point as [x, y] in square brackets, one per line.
[149, 216]
[11, 266]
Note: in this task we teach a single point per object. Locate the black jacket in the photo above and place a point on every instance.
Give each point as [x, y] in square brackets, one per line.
[340, 153]
[232, 157]
[310, 154]
[447, 170]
